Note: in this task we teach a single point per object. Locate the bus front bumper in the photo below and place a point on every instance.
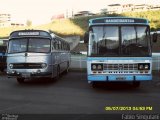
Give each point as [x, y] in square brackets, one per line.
[117, 78]
[28, 74]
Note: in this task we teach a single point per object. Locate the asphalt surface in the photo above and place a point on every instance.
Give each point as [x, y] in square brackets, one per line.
[71, 94]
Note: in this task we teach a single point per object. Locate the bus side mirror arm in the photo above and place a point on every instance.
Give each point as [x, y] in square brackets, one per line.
[155, 37]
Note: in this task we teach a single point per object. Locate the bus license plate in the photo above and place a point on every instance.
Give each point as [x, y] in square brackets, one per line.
[120, 78]
[26, 75]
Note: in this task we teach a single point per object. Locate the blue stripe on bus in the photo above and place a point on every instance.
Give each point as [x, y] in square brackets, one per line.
[141, 78]
[113, 78]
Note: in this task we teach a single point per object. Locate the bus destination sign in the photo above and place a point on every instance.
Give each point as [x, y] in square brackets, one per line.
[28, 33]
[119, 21]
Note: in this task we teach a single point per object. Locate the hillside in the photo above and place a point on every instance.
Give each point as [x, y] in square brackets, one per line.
[152, 16]
[77, 26]
[64, 27]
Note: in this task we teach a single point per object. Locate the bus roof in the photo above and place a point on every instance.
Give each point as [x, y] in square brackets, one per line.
[30, 33]
[117, 21]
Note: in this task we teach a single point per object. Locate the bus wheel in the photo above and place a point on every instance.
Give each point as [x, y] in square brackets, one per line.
[94, 84]
[20, 80]
[136, 83]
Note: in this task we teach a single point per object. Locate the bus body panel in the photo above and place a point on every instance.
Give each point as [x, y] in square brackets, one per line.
[64, 60]
[98, 78]
[31, 60]
[119, 71]
[51, 59]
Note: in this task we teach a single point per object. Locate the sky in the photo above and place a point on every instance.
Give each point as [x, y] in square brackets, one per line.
[41, 11]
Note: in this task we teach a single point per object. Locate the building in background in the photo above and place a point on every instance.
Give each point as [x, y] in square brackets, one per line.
[154, 7]
[114, 8]
[58, 16]
[127, 7]
[141, 7]
[83, 13]
[5, 19]
[120, 8]
[17, 24]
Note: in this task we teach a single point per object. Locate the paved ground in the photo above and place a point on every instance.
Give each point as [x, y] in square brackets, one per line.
[71, 94]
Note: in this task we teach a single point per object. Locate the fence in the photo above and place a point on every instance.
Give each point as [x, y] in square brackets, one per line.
[156, 61]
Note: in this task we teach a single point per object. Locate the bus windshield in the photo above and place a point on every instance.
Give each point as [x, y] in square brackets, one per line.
[119, 41]
[36, 45]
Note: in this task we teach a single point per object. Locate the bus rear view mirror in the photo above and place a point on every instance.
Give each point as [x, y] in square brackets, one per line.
[86, 37]
[155, 36]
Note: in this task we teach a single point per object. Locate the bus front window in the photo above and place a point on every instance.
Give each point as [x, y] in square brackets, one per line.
[39, 45]
[135, 40]
[107, 41]
[119, 40]
[34, 45]
[17, 45]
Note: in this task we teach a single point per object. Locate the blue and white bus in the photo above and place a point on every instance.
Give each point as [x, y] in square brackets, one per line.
[36, 53]
[119, 49]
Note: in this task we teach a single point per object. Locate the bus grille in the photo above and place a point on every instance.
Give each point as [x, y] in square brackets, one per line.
[120, 67]
[27, 66]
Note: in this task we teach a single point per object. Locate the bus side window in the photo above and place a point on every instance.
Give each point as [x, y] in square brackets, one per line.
[59, 45]
[62, 45]
[65, 48]
[68, 47]
[53, 47]
[56, 45]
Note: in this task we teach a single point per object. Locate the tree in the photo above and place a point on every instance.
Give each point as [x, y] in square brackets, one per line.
[104, 11]
[29, 23]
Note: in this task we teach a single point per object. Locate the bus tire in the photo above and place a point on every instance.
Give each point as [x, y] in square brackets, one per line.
[94, 85]
[20, 80]
[136, 84]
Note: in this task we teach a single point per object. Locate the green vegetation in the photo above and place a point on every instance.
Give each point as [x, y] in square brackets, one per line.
[83, 21]
[62, 27]
[29, 23]
[78, 26]
[152, 16]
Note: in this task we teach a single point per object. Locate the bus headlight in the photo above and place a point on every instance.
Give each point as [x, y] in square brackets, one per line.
[140, 67]
[99, 67]
[146, 67]
[143, 66]
[96, 66]
[43, 65]
[11, 65]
